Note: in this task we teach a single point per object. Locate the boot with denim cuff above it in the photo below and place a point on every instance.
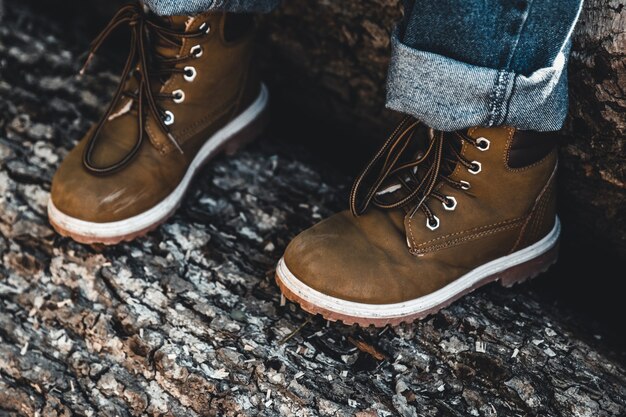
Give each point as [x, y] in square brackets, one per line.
[434, 216]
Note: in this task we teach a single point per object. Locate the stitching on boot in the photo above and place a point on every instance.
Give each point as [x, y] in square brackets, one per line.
[163, 148]
[470, 237]
[411, 233]
[469, 231]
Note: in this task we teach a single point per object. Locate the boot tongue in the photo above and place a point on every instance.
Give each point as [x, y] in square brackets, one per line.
[169, 46]
[392, 190]
[452, 144]
[166, 47]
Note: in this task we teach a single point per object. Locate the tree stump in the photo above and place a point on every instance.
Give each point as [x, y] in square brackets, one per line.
[188, 321]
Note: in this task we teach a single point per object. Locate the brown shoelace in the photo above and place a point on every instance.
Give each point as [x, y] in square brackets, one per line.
[144, 30]
[418, 176]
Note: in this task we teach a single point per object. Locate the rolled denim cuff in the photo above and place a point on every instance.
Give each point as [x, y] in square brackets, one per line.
[191, 7]
[450, 95]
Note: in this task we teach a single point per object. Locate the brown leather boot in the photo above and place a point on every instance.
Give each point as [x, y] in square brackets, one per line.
[186, 93]
[448, 213]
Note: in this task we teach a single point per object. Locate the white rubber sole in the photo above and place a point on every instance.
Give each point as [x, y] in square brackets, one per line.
[114, 232]
[510, 269]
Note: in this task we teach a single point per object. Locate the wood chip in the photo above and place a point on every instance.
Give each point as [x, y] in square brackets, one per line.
[367, 348]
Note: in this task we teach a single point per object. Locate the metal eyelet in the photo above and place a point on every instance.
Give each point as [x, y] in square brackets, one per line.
[178, 96]
[169, 118]
[205, 27]
[432, 226]
[190, 74]
[196, 51]
[465, 185]
[475, 168]
[483, 144]
[452, 205]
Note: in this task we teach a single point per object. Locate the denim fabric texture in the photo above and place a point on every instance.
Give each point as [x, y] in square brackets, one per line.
[191, 7]
[456, 64]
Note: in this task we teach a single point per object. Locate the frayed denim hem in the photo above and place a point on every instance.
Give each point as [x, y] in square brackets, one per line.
[450, 95]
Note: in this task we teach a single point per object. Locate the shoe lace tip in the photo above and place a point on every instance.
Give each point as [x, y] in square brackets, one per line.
[176, 144]
[82, 70]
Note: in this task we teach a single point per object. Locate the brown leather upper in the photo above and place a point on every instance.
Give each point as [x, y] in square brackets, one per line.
[390, 255]
[224, 85]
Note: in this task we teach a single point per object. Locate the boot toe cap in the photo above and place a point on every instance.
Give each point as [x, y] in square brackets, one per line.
[337, 257]
[77, 193]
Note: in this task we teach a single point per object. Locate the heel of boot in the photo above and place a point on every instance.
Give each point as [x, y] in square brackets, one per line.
[530, 269]
[248, 133]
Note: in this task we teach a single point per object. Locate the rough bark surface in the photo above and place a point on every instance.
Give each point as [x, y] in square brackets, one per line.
[188, 321]
[329, 59]
[593, 174]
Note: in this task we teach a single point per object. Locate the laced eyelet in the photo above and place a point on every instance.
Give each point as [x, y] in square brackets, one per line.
[169, 118]
[451, 203]
[190, 74]
[178, 96]
[465, 185]
[196, 51]
[475, 168]
[205, 27]
[433, 226]
[483, 144]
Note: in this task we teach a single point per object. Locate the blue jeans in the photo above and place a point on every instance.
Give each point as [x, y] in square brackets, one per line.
[456, 64]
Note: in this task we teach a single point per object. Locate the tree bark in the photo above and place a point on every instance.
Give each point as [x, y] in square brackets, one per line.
[188, 321]
[593, 174]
